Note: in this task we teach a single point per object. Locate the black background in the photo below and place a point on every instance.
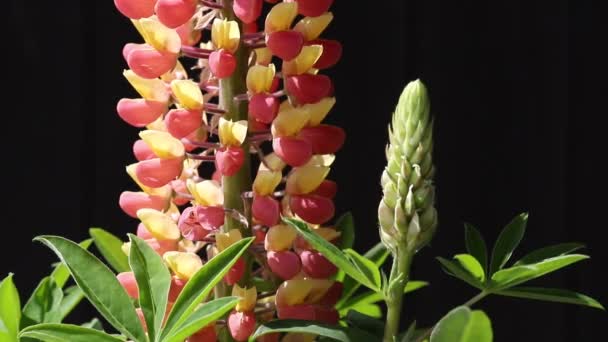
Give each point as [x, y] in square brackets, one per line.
[516, 93]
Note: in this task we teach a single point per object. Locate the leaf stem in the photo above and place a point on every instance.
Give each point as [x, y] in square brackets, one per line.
[399, 277]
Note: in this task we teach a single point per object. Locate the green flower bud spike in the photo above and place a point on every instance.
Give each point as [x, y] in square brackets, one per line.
[406, 213]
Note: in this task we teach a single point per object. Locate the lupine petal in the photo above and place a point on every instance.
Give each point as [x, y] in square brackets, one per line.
[293, 151]
[312, 208]
[266, 181]
[173, 13]
[303, 180]
[266, 210]
[263, 56]
[211, 218]
[190, 227]
[163, 144]
[225, 34]
[316, 265]
[289, 122]
[140, 112]
[285, 44]
[284, 264]
[128, 282]
[313, 8]
[135, 9]
[229, 160]
[159, 224]
[332, 52]
[163, 191]
[225, 240]
[241, 325]
[148, 62]
[319, 110]
[248, 297]
[207, 192]
[183, 265]
[130, 202]
[158, 35]
[327, 188]
[259, 78]
[308, 88]
[280, 17]
[188, 94]
[187, 35]
[222, 63]
[247, 10]
[263, 107]
[312, 27]
[324, 139]
[149, 89]
[232, 133]
[279, 238]
[157, 172]
[308, 57]
[142, 151]
[181, 122]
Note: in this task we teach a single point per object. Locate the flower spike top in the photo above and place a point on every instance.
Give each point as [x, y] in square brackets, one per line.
[259, 102]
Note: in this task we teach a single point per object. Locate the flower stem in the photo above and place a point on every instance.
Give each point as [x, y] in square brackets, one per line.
[399, 277]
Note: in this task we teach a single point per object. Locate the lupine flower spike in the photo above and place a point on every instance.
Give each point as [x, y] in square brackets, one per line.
[259, 92]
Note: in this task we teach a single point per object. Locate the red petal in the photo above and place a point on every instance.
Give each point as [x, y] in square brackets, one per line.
[285, 44]
[241, 324]
[174, 13]
[131, 202]
[328, 189]
[135, 9]
[142, 151]
[313, 8]
[332, 295]
[140, 112]
[312, 208]
[222, 63]
[181, 122]
[247, 10]
[316, 265]
[263, 107]
[307, 88]
[332, 52]
[147, 62]
[211, 218]
[235, 273]
[266, 210]
[285, 264]
[324, 139]
[228, 160]
[158, 172]
[293, 151]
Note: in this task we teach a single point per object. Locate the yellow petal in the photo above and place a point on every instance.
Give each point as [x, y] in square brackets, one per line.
[159, 224]
[273, 161]
[207, 192]
[159, 36]
[266, 182]
[304, 61]
[302, 180]
[188, 94]
[232, 133]
[318, 111]
[183, 264]
[289, 122]
[311, 27]
[293, 292]
[179, 72]
[158, 124]
[164, 191]
[225, 34]
[321, 160]
[248, 297]
[163, 144]
[280, 238]
[225, 240]
[150, 89]
[263, 56]
[259, 78]
[285, 105]
[281, 16]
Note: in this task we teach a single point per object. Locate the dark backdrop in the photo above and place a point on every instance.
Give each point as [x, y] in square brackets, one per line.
[517, 126]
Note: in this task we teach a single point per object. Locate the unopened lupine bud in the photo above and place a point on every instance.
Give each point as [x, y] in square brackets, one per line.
[236, 272]
[407, 184]
[241, 324]
[232, 133]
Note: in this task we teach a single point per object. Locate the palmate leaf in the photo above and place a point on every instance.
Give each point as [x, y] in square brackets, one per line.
[549, 252]
[365, 322]
[44, 304]
[471, 265]
[370, 297]
[463, 325]
[459, 272]
[346, 226]
[332, 253]
[516, 275]
[10, 310]
[476, 245]
[99, 285]
[201, 284]
[52, 332]
[153, 281]
[60, 273]
[338, 333]
[110, 248]
[551, 295]
[507, 241]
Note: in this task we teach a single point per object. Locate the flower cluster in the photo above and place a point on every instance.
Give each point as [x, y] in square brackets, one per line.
[258, 92]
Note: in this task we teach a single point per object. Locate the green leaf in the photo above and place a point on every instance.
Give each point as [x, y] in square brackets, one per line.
[346, 226]
[153, 281]
[371, 310]
[551, 295]
[51, 332]
[457, 271]
[61, 274]
[10, 310]
[331, 252]
[507, 241]
[378, 255]
[469, 263]
[43, 305]
[99, 285]
[338, 333]
[476, 245]
[412, 334]
[364, 322]
[72, 296]
[549, 252]
[263, 285]
[110, 248]
[463, 325]
[516, 275]
[209, 312]
[201, 284]
[370, 297]
[93, 324]
[366, 266]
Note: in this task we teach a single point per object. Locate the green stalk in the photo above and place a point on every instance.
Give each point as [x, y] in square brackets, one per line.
[234, 186]
[399, 277]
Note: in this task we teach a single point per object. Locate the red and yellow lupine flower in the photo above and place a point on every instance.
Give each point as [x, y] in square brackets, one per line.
[181, 204]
